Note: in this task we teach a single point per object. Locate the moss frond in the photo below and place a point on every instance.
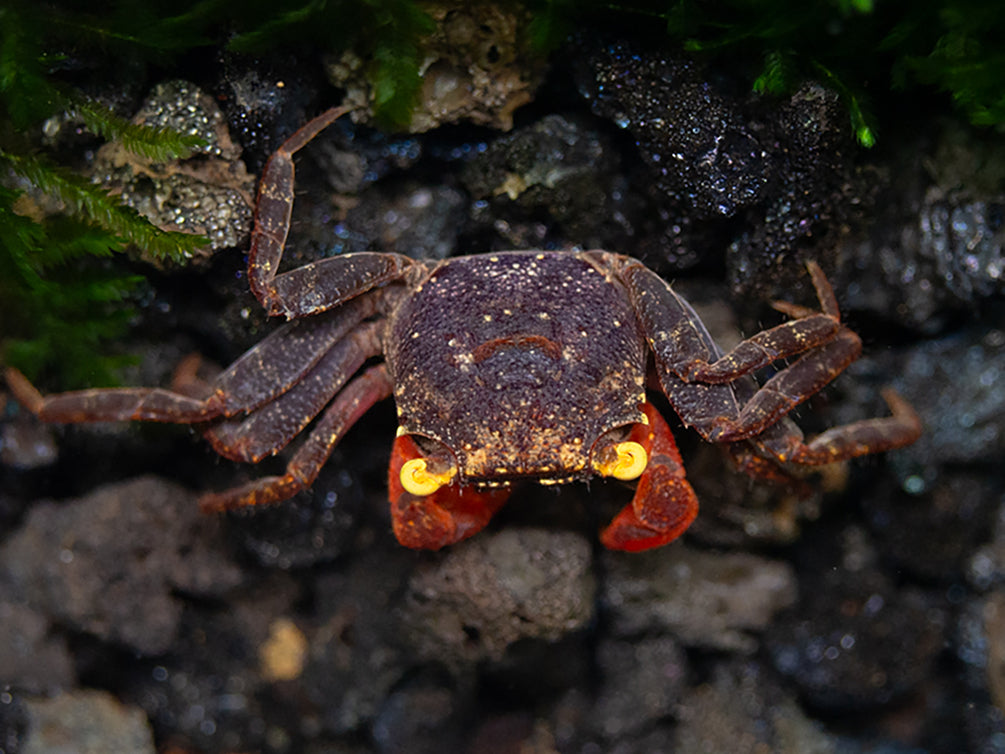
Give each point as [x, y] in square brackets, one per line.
[385, 33]
[59, 309]
[93, 204]
[153, 143]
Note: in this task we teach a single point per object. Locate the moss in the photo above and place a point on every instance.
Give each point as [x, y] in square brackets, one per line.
[59, 304]
[860, 48]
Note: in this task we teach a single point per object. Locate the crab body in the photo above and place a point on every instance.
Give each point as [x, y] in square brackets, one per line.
[521, 365]
[517, 362]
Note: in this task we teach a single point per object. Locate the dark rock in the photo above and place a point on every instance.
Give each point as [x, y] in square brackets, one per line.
[688, 131]
[30, 659]
[111, 563]
[316, 526]
[956, 383]
[936, 249]
[855, 641]
[26, 444]
[217, 688]
[356, 653]
[421, 716]
[813, 198]
[560, 167]
[932, 533]
[642, 682]
[85, 722]
[494, 589]
[13, 722]
[413, 219]
[704, 599]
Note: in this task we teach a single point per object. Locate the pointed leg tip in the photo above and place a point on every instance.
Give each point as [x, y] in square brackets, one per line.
[23, 391]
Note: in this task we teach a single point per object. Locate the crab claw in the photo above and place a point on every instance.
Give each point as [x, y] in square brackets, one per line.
[429, 508]
[664, 504]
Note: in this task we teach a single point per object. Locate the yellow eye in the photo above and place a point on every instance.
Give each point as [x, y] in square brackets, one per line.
[418, 480]
[629, 462]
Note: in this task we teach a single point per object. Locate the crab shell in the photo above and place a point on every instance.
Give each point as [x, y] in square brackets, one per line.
[517, 363]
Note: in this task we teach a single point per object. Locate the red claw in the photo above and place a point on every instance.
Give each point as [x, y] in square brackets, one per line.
[452, 513]
[664, 504]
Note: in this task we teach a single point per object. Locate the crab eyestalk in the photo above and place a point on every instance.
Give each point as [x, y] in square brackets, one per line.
[417, 478]
[625, 461]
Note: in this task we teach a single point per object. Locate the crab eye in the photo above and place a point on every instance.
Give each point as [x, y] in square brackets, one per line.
[418, 480]
[628, 462]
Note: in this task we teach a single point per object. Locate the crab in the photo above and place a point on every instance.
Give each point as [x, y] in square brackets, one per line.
[521, 365]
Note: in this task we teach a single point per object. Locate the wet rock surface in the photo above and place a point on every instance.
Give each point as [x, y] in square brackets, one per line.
[861, 612]
[475, 63]
[110, 563]
[853, 640]
[88, 722]
[495, 590]
[697, 143]
[208, 194]
[705, 599]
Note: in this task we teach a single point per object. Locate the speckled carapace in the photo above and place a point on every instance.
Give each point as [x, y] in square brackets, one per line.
[518, 363]
[505, 367]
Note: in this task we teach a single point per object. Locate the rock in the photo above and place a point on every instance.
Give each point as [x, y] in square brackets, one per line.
[422, 716]
[495, 589]
[110, 563]
[936, 249]
[218, 689]
[315, 526]
[965, 425]
[31, 659]
[86, 722]
[986, 567]
[642, 682]
[563, 167]
[693, 137]
[26, 444]
[211, 195]
[411, 219]
[475, 65]
[356, 654]
[854, 640]
[742, 712]
[980, 646]
[933, 532]
[704, 599]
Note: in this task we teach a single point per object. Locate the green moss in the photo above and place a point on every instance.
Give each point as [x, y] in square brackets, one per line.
[62, 304]
[385, 33]
[861, 48]
[59, 303]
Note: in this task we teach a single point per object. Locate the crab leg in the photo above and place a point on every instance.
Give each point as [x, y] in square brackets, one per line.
[113, 404]
[685, 348]
[664, 504]
[271, 427]
[784, 441]
[286, 355]
[807, 329]
[319, 285]
[356, 398]
[451, 513]
[264, 372]
[789, 388]
[738, 410]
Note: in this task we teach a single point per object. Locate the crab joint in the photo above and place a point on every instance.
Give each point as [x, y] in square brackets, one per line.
[629, 462]
[418, 480]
